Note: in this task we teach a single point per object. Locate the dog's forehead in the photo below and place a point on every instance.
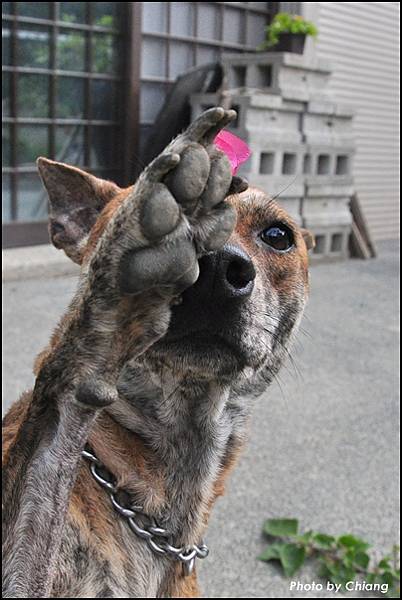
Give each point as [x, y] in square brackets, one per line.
[255, 208]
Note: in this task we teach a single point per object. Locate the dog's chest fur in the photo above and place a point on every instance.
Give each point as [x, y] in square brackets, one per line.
[173, 463]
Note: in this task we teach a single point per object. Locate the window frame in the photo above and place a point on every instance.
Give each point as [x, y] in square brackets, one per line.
[18, 233]
[129, 80]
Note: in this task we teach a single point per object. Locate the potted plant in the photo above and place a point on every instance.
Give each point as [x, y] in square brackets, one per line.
[287, 33]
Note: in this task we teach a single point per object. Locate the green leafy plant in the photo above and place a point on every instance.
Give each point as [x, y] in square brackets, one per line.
[341, 559]
[286, 23]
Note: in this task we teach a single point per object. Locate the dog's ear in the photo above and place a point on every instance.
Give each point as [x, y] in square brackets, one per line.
[76, 199]
[308, 238]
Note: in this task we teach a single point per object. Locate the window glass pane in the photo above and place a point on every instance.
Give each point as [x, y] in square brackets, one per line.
[6, 199]
[233, 26]
[104, 98]
[33, 46]
[208, 21]
[6, 95]
[103, 147]
[6, 7]
[180, 58]
[71, 50]
[152, 97]
[105, 53]
[153, 58]
[6, 147]
[255, 29]
[32, 141]
[70, 144]
[33, 96]
[6, 33]
[39, 10]
[207, 55]
[73, 12]
[154, 17]
[69, 97]
[32, 198]
[105, 14]
[182, 18]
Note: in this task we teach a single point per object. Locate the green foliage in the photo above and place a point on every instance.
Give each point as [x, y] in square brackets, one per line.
[341, 559]
[286, 23]
[281, 527]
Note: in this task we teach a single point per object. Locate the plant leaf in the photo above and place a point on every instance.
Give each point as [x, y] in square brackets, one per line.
[292, 558]
[323, 540]
[281, 527]
[384, 564]
[272, 552]
[388, 578]
[362, 560]
[351, 542]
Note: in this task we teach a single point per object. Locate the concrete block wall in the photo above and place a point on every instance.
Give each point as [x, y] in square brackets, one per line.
[290, 76]
[302, 139]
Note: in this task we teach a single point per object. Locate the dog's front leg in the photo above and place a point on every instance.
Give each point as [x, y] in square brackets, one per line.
[121, 308]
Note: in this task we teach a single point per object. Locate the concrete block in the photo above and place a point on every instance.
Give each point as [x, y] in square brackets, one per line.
[329, 129]
[263, 115]
[292, 186]
[330, 107]
[331, 242]
[291, 76]
[326, 211]
[326, 162]
[329, 189]
[292, 207]
[276, 160]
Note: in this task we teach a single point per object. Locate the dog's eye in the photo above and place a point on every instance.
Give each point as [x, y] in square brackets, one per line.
[279, 237]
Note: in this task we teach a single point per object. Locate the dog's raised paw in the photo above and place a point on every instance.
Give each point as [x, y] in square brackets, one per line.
[182, 210]
[160, 213]
[173, 265]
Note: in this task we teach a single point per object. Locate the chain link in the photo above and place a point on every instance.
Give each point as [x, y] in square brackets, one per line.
[144, 526]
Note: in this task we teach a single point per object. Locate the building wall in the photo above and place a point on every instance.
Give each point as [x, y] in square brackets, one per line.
[361, 41]
[177, 36]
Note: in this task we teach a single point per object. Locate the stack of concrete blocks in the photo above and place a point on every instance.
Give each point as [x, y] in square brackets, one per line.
[301, 139]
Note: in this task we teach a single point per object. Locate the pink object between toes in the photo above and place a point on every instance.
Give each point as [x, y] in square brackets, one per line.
[235, 149]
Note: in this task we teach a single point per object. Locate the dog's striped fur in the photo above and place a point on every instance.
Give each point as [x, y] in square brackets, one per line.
[167, 417]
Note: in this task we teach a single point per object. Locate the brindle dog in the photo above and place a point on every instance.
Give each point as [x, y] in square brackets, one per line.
[186, 305]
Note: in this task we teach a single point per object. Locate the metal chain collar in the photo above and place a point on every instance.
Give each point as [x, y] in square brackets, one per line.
[144, 526]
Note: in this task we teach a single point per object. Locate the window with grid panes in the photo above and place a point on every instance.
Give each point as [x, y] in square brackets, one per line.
[61, 86]
[65, 97]
[179, 35]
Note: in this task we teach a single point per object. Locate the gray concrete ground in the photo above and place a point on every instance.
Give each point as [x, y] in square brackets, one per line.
[323, 445]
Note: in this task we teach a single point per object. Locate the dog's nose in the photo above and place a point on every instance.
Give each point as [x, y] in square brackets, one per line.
[233, 273]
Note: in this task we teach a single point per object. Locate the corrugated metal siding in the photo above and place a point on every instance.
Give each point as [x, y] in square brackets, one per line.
[361, 40]
[290, 7]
